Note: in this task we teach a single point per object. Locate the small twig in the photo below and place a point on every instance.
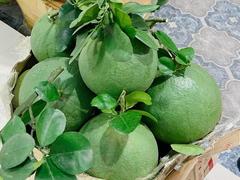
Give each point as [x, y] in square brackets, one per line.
[20, 109]
[156, 20]
[153, 21]
[122, 101]
[31, 114]
[32, 120]
[52, 16]
[54, 75]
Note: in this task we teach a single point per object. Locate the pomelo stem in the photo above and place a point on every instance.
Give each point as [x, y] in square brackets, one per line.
[32, 120]
[153, 21]
[23, 107]
[156, 20]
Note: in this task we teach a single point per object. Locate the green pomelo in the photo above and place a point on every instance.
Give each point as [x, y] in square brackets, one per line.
[75, 96]
[133, 155]
[187, 107]
[44, 39]
[16, 89]
[110, 63]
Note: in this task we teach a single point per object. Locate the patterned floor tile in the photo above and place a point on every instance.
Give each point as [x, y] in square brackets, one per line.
[219, 73]
[229, 160]
[231, 101]
[225, 17]
[235, 68]
[216, 46]
[235, 1]
[180, 26]
[194, 7]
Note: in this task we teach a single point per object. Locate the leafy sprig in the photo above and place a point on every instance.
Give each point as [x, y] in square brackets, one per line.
[171, 59]
[125, 119]
[95, 15]
[37, 127]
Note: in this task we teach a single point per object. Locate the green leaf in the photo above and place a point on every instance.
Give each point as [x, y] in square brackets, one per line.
[16, 150]
[84, 25]
[82, 5]
[188, 149]
[47, 91]
[130, 31]
[126, 122]
[138, 22]
[146, 114]
[100, 3]
[122, 18]
[14, 126]
[116, 1]
[86, 15]
[80, 43]
[72, 153]
[162, 52]
[115, 4]
[4, 2]
[181, 60]
[104, 102]
[134, 8]
[146, 38]
[50, 124]
[112, 145]
[21, 172]
[48, 171]
[37, 108]
[161, 2]
[166, 66]
[137, 96]
[67, 13]
[187, 54]
[166, 41]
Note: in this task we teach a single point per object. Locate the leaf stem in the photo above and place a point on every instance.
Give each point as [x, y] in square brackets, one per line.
[122, 101]
[153, 21]
[32, 120]
[52, 16]
[156, 20]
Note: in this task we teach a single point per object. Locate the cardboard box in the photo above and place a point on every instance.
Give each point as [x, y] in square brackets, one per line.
[180, 167]
[34, 9]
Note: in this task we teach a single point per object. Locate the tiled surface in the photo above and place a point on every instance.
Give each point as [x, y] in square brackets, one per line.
[212, 27]
[229, 160]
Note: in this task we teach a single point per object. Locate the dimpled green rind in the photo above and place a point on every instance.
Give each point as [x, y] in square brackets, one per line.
[75, 103]
[44, 40]
[187, 107]
[109, 63]
[138, 158]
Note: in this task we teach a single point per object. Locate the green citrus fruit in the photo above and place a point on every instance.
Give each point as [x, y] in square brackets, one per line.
[187, 107]
[44, 39]
[75, 96]
[118, 156]
[16, 89]
[111, 62]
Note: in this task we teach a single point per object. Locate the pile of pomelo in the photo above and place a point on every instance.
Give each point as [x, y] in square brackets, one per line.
[146, 90]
